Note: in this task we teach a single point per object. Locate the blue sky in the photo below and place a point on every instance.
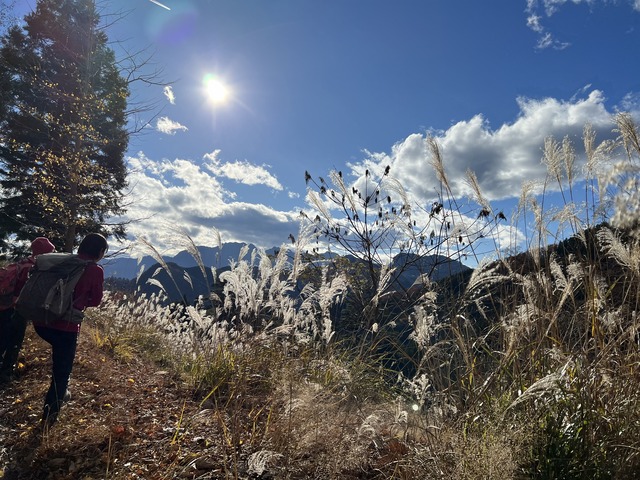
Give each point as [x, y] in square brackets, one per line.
[319, 85]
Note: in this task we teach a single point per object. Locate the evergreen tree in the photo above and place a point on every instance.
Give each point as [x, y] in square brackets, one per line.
[63, 131]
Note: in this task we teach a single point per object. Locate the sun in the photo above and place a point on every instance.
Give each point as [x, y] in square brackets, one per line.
[217, 91]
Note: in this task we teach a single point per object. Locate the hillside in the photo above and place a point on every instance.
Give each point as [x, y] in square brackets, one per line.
[187, 283]
[133, 420]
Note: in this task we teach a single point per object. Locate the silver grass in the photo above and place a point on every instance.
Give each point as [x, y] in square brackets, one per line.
[329, 293]
[338, 181]
[187, 278]
[419, 387]
[589, 139]
[574, 269]
[526, 191]
[611, 321]
[157, 272]
[423, 321]
[625, 255]
[244, 250]
[567, 214]
[156, 283]
[595, 301]
[569, 159]
[563, 284]
[370, 427]
[187, 242]
[484, 275]
[517, 325]
[260, 460]
[255, 253]
[153, 252]
[314, 320]
[141, 270]
[393, 186]
[279, 290]
[626, 177]
[538, 218]
[560, 280]
[552, 158]
[437, 162]
[628, 133]
[386, 276]
[313, 198]
[552, 384]
[472, 182]
[305, 235]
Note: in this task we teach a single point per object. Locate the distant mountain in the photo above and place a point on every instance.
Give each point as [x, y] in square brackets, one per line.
[410, 268]
[127, 267]
[188, 282]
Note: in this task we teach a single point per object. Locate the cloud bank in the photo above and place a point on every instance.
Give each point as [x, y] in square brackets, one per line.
[502, 158]
[242, 172]
[180, 194]
[191, 195]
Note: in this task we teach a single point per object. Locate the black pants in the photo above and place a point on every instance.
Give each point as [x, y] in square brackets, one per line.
[12, 330]
[63, 352]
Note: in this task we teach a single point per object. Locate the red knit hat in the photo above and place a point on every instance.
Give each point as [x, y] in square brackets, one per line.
[42, 245]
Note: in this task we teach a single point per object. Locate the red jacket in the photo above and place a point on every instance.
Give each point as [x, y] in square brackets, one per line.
[24, 267]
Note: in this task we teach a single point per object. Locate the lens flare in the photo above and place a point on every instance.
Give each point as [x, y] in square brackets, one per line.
[216, 89]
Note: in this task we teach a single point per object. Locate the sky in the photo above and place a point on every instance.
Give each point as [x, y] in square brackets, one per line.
[355, 85]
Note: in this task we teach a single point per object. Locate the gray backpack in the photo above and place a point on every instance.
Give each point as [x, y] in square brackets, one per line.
[48, 294]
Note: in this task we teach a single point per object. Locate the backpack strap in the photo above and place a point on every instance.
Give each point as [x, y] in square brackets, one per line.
[24, 268]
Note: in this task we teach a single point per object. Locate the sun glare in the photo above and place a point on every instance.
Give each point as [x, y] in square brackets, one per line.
[216, 90]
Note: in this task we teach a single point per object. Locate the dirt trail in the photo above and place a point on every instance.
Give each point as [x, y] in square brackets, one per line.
[124, 421]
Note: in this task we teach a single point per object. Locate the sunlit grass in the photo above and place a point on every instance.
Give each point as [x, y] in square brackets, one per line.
[529, 369]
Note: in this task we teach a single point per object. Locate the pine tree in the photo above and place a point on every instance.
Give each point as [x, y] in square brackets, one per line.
[62, 126]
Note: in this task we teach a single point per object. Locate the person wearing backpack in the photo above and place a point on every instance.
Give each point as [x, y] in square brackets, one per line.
[13, 325]
[62, 334]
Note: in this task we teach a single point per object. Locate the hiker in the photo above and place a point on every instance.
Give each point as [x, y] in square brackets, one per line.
[63, 334]
[13, 325]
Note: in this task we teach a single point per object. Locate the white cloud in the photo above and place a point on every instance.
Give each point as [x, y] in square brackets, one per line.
[533, 22]
[503, 158]
[168, 126]
[183, 194]
[242, 172]
[631, 102]
[168, 92]
[551, 7]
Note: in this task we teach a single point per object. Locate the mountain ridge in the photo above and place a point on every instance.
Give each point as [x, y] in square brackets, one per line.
[130, 268]
[186, 282]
